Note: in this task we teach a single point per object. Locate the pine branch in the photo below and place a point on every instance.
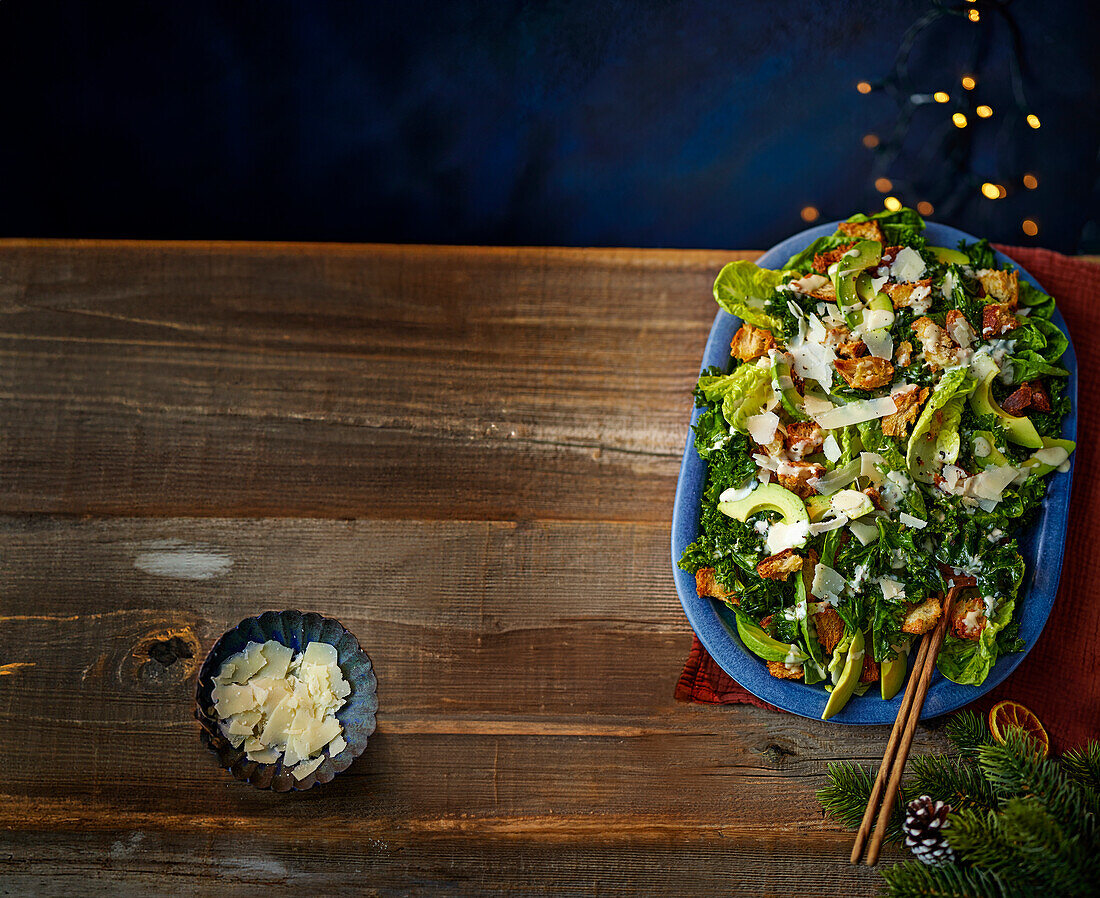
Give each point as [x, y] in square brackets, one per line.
[1083, 765]
[957, 781]
[846, 795]
[968, 732]
[1015, 769]
[913, 879]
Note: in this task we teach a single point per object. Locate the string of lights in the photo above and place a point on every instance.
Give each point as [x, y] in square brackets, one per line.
[947, 176]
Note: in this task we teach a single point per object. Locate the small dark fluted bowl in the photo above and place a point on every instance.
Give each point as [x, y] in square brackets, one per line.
[296, 630]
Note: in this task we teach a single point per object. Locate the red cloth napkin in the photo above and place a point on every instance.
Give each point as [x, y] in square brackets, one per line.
[1060, 677]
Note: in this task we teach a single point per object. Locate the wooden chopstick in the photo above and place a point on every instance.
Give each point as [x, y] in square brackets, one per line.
[897, 748]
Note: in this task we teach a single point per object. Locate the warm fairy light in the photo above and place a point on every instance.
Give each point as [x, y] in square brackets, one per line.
[974, 15]
[925, 208]
[959, 119]
[940, 96]
[969, 82]
[1033, 120]
[1001, 192]
[1029, 227]
[984, 111]
[892, 203]
[863, 87]
[883, 185]
[870, 141]
[1030, 181]
[991, 191]
[809, 213]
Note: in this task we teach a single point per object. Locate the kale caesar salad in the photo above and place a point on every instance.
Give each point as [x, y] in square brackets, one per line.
[883, 430]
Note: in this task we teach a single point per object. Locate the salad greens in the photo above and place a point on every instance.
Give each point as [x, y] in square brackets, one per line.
[884, 427]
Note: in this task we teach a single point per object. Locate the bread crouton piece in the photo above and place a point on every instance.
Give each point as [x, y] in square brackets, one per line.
[997, 319]
[822, 261]
[780, 566]
[968, 618]
[959, 329]
[803, 438]
[1040, 401]
[902, 295]
[903, 355]
[780, 670]
[1003, 286]
[870, 673]
[867, 373]
[939, 349]
[826, 292]
[1019, 401]
[795, 475]
[862, 230]
[908, 402]
[922, 617]
[844, 344]
[873, 494]
[751, 342]
[830, 629]
[706, 584]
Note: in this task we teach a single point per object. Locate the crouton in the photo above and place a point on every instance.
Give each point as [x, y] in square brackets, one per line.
[809, 570]
[844, 344]
[751, 342]
[1040, 401]
[867, 373]
[706, 584]
[1003, 286]
[822, 261]
[967, 618]
[873, 494]
[869, 674]
[903, 355]
[997, 319]
[939, 349]
[781, 671]
[901, 295]
[1018, 402]
[803, 438]
[794, 476]
[830, 629]
[908, 402]
[863, 230]
[922, 618]
[780, 566]
[959, 329]
[826, 292]
[891, 253]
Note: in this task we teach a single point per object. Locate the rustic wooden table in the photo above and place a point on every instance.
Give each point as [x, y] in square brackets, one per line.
[466, 455]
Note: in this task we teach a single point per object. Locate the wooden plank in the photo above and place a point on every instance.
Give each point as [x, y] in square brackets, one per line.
[507, 691]
[305, 380]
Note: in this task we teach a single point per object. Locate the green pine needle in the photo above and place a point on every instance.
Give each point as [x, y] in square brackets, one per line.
[957, 781]
[846, 795]
[968, 732]
[913, 879]
[1083, 765]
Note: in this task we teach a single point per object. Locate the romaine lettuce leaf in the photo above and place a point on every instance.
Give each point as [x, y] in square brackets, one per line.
[742, 288]
[921, 453]
[968, 661]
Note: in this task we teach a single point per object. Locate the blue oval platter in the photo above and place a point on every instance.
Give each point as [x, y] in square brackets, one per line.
[714, 623]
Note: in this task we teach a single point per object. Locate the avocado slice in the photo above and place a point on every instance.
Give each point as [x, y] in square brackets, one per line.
[1039, 467]
[849, 678]
[767, 497]
[995, 457]
[892, 673]
[1019, 429]
[761, 644]
[844, 274]
[949, 256]
[816, 506]
[784, 386]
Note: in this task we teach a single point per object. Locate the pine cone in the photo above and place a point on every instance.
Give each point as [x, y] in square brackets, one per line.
[925, 821]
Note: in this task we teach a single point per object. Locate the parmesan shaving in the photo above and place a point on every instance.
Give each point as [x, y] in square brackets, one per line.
[857, 412]
[278, 705]
[762, 427]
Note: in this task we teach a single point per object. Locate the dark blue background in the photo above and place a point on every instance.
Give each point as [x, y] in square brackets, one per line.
[706, 124]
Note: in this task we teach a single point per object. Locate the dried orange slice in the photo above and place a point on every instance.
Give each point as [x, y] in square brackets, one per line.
[1012, 714]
